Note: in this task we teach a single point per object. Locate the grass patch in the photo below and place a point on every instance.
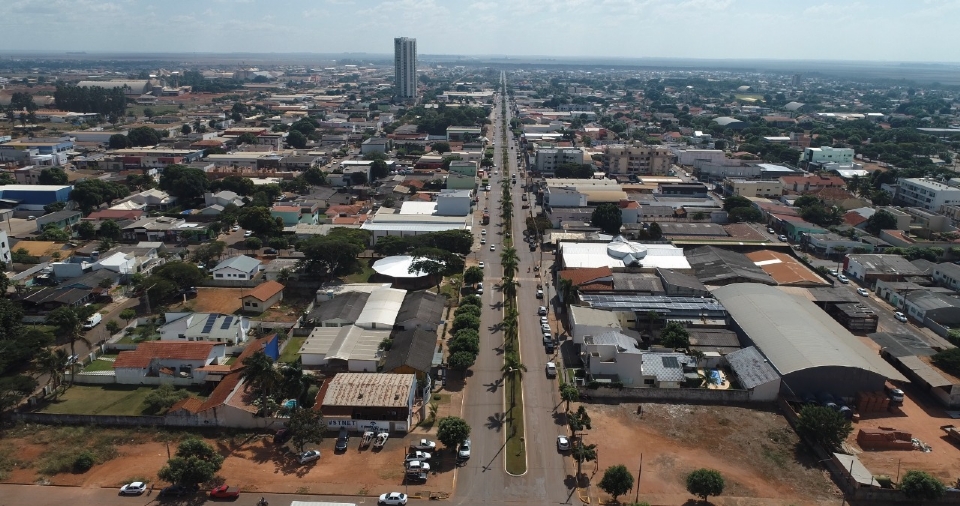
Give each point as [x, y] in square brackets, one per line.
[516, 460]
[10, 461]
[65, 444]
[99, 366]
[230, 361]
[100, 400]
[292, 351]
[364, 275]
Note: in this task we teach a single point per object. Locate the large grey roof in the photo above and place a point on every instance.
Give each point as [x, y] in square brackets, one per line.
[422, 305]
[751, 368]
[927, 300]
[414, 348]
[886, 264]
[345, 308]
[794, 334]
[715, 266]
[241, 263]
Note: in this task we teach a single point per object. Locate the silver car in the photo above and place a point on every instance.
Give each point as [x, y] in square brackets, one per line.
[464, 452]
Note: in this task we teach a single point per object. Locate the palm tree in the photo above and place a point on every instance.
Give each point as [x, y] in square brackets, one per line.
[584, 453]
[52, 363]
[509, 328]
[258, 371]
[508, 286]
[513, 370]
[509, 260]
[69, 322]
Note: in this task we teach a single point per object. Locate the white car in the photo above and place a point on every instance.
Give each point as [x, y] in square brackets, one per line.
[247, 233]
[545, 327]
[551, 369]
[481, 265]
[843, 279]
[235, 228]
[493, 247]
[483, 240]
[900, 316]
[539, 294]
[782, 238]
[488, 187]
[424, 444]
[417, 466]
[542, 311]
[544, 320]
[417, 455]
[464, 452]
[480, 288]
[135, 488]
[483, 232]
[563, 444]
[309, 456]
[393, 498]
[863, 291]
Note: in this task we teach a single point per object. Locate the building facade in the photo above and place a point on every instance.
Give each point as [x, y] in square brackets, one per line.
[926, 193]
[547, 160]
[637, 160]
[405, 66]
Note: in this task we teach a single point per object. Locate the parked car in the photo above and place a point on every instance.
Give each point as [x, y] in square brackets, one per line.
[235, 228]
[135, 488]
[771, 230]
[544, 320]
[417, 466]
[551, 370]
[282, 436]
[225, 492]
[549, 347]
[483, 232]
[417, 455]
[547, 339]
[309, 456]
[545, 327]
[563, 443]
[424, 444]
[343, 440]
[834, 272]
[481, 265]
[782, 238]
[900, 316]
[463, 453]
[416, 477]
[269, 251]
[863, 291]
[843, 279]
[392, 499]
[247, 233]
[539, 294]
[542, 311]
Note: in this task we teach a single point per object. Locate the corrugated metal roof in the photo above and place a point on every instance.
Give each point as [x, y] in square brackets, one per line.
[794, 334]
[369, 389]
[751, 368]
[381, 308]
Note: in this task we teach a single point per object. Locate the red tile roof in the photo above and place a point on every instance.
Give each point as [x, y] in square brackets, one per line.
[190, 404]
[114, 214]
[264, 291]
[853, 218]
[583, 276]
[170, 350]
[222, 391]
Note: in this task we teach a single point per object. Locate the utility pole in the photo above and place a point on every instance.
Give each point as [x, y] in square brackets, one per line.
[146, 296]
[638, 478]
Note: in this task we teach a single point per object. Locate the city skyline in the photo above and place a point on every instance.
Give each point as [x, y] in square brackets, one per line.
[710, 29]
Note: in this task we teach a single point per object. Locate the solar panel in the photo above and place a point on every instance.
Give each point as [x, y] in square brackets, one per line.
[226, 323]
[208, 325]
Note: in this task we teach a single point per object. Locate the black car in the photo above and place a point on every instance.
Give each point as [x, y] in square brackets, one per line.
[343, 440]
[269, 251]
[282, 436]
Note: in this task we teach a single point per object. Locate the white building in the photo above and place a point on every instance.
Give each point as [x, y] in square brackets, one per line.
[548, 159]
[5, 248]
[927, 193]
[381, 309]
[405, 66]
[691, 156]
[454, 202]
[355, 348]
[613, 354]
[827, 154]
[216, 327]
[586, 322]
[620, 253]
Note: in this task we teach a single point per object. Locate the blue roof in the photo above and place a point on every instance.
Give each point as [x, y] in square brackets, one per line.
[241, 263]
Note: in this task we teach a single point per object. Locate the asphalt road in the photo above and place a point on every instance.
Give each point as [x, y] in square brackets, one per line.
[483, 478]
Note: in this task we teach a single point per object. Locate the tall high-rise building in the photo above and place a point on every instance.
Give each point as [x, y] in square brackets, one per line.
[405, 66]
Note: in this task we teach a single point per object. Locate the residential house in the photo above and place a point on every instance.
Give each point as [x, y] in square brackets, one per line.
[375, 145]
[50, 298]
[215, 327]
[809, 183]
[612, 356]
[262, 298]
[586, 321]
[295, 213]
[152, 199]
[869, 268]
[222, 198]
[168, 361]
[412, 352]
[666, 370]
[754, 374]
[239, 267]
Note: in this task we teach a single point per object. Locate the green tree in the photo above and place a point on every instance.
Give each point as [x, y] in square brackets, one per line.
[473, 275]
[90, 193]
[948, 360]
[464, 340]
[315, 176]
[655, 232]
[468, 309]
[465, 321]
[675, 335]
[824, 426]
[253, 243]
[258, 220]
[109, 229]
[85, 230]
[208, 252]
[162, 398]
[247, 138]
[616, 481]
[113, 326]
[52, 362]
[330, 255]
[13, 389]
[258, 372]
[433, 267]
[922, 486]
[744, 215]
[607, 217]
[185, 129]
[181, 274]
[306, 426]
[583, 453]
[296, 139]
[579, 420]
[512, 371]
[704, 483]
[118, 141]
[194, 463]
[462, 360]
[881, 220]
[128, 314]
[568, 394]
[391, 245]
[452, 431]
[52, 175]
[471, 300]
[736, 201]
[143, 136]
[440, 147]
[185, 183]
[52, 232]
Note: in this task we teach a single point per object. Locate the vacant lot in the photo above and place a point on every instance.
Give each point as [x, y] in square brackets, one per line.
[100, 400]
[756, 451]
[251, 461]
[214, 300]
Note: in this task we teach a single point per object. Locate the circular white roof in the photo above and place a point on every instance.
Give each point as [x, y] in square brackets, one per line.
[396, 267]
[626, 251]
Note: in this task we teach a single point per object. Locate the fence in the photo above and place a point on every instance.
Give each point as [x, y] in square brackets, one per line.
[666, 394]
[231, 283]
[108, 420]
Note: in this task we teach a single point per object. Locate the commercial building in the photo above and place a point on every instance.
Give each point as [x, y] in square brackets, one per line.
[811, 352]
[547, 160]
[627, 160]
[586, 321]
[926, 193]
[827, 154]
[621, 253]
[716, 266]
[348, 348]
[745, 188]
[754, 374]
[33, 197]
[869, 268]
[50, 150]
[369, 401]
[405, 67]
[933, 306]
[692, 157]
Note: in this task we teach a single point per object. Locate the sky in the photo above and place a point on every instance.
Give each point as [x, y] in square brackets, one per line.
[873, 30]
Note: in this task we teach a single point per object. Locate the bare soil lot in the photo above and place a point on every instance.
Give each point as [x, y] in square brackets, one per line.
[756, 451]
[252, 461]
[214, 300]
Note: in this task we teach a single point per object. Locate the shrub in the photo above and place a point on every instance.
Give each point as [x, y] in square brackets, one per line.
[83, 462]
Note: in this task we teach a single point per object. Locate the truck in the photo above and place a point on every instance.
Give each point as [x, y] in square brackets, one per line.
[486, 218]
[92, 321]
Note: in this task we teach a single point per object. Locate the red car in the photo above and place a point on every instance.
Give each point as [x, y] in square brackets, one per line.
[225, 492]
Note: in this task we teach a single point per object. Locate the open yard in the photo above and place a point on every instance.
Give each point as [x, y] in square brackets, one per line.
[101, 400]
[251, 460]
[756, 451]
[213, 300]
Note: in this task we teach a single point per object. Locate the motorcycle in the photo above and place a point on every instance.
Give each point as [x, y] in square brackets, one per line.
[262, 502]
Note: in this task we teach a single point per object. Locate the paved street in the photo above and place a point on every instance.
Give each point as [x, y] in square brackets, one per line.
[483, 478]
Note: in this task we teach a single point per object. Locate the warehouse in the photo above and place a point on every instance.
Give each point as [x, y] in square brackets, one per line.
[810, 350]
[32, 197]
